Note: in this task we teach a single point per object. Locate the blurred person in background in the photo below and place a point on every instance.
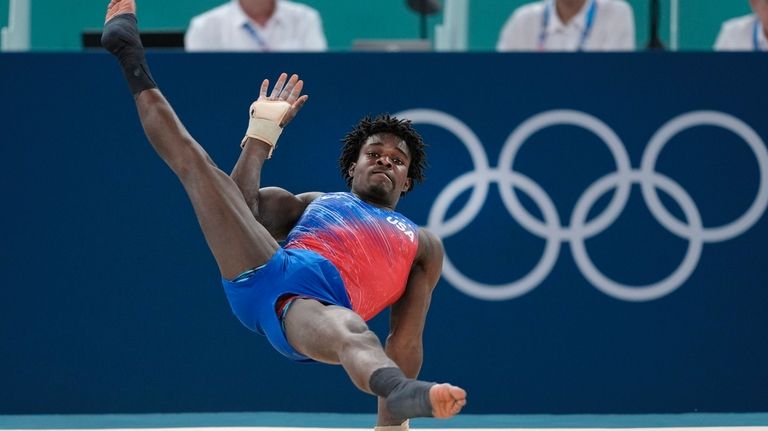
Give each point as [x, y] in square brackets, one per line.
[257, 25]
[745, 33]
[570, 25]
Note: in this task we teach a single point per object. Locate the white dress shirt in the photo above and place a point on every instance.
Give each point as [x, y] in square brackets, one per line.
[738, 34]
[293, 27]
[612, 28]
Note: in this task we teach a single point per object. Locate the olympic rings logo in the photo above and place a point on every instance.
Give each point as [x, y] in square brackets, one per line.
[579, 228]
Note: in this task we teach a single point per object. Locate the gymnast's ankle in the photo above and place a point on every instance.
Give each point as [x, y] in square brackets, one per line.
[406, 398]
[121, 38]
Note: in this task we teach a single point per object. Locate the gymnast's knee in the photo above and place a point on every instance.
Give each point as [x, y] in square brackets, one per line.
[357, 335]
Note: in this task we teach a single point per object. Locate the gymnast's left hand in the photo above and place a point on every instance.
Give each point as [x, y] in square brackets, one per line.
[286, 90]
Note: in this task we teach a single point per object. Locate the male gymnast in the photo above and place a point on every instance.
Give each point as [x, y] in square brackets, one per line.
[346, 256]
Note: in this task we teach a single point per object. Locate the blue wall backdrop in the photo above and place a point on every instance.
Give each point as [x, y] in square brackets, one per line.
[616, 264]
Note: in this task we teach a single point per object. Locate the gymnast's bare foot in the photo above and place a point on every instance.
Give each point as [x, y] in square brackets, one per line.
[119, 7]
[447, 400]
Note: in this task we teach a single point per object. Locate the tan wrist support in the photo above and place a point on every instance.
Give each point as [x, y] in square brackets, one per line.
[265, 119]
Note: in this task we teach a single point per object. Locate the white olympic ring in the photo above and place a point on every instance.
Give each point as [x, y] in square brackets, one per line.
[580, 229]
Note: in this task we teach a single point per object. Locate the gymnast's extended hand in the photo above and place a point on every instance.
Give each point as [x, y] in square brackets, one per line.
[270, 114]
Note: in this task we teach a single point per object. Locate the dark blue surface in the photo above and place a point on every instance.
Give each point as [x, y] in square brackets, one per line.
[111, 302]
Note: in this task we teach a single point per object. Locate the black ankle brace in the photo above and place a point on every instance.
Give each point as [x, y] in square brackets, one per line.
[406, 398]
[121, 38]
[384, 380]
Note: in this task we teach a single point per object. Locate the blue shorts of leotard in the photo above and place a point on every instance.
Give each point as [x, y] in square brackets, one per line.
[293, 272]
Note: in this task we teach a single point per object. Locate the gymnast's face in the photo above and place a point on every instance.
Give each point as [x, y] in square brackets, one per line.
[380, 174]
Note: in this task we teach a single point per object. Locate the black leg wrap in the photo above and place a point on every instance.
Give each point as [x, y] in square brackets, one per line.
[121, 38]
[406, 398]
[410, 400]
[384, 380]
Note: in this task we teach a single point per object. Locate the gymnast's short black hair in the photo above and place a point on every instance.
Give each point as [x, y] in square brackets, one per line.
[383, 123]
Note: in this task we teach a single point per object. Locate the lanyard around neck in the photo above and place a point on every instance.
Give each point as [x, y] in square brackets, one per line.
[254, 33]
[590, 20]
[756, 28]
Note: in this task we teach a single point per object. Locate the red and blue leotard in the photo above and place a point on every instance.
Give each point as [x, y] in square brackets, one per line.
[342, 251]
[372, 248]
